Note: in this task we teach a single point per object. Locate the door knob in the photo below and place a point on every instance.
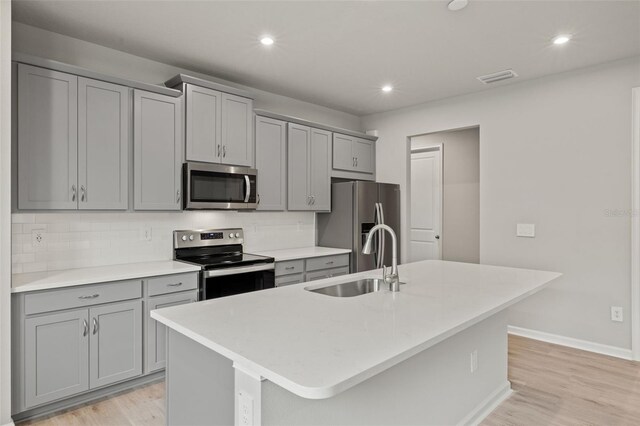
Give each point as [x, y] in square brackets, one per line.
[437, 237]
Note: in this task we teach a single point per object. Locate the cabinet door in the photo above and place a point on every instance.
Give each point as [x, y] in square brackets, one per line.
[203, 119]
[103, 145]
[343, 158]
[363, 151]
[298, 140]
[237, 131]
[271, 157]
[56, 356]
[320, 170]
[47, 139]
[115, 345]
[157, 141]
[157, 332]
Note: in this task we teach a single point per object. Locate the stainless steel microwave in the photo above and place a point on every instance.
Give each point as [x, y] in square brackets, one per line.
[219, 187]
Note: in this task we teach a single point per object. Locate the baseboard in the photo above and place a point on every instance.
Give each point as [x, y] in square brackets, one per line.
[584, 345]
[490, 403]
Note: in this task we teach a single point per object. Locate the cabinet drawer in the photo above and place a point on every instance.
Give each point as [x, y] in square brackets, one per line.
[289, 280]
[327, 273]
[289, 267]
[86, 295]
[172, 283]
[327, 262]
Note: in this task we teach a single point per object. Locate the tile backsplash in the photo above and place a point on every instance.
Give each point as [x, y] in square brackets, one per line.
[54, 241]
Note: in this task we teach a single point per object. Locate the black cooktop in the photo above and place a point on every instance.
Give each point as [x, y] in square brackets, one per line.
[223, 260]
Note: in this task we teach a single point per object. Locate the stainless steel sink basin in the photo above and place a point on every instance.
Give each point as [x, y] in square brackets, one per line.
[352, 288]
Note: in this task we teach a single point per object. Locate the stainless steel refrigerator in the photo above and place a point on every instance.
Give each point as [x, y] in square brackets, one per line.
[355, 208]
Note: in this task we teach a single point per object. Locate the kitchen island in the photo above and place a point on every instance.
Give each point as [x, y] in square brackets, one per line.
[433, 353]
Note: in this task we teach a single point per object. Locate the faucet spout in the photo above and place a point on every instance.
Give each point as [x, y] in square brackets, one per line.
[392, 278]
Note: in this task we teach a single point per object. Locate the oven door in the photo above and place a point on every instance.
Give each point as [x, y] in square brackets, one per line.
[219, 187]
[229, 281]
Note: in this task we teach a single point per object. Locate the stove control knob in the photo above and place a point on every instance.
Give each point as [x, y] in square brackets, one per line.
[184, 238]
[231, 235]
[237, 235]
[190, 237]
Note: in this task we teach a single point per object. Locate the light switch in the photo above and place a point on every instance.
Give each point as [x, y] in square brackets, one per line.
[526, 230]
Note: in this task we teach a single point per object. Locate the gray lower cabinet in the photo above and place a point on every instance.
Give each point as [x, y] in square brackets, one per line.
[157, 143]
[296, 271]
[271, 162]
[103, 145]
[47, 139]
[115, 346]
[156, 332]
[56, 356]
[309, 166]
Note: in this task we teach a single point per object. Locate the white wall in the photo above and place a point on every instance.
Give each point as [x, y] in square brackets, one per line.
[45, 44]
[460, 237]
[554, 152]
[5, 212]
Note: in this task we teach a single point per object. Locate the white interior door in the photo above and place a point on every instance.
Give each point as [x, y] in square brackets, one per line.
[425, 240]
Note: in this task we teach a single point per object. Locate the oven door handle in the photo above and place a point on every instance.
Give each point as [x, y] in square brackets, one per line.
[232, 271]
[248, 194]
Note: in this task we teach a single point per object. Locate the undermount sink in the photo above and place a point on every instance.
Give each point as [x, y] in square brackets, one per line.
[350, 289]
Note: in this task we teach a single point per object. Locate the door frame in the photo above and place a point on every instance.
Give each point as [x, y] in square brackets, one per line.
[635, 224]
[435, 147]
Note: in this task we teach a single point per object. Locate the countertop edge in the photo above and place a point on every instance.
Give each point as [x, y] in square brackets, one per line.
[302, 253]
[336, 388]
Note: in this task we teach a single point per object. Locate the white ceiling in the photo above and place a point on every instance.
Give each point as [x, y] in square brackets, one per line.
[339, 54]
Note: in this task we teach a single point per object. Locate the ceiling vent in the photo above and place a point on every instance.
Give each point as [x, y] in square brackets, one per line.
[497, 76]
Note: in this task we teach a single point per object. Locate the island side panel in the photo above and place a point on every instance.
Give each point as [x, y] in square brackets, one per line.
[434, 387]
[199, 382]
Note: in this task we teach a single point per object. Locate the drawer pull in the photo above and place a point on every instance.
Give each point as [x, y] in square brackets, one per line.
[289, 268]
[174, 285]
[93, 296]
[329, 263]
[95, 326]
[86, 328]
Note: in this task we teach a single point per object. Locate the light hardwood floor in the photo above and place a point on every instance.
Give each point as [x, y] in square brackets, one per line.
[553, 385]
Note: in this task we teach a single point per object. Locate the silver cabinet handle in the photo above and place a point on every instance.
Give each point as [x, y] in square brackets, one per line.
[83, 193]
[85, 327]
[313, 199]
[329, 263]
[73, 192]
[224, 150]
[353, 161]
[218, 150]
[356, 161]
[93, 296]
[258, 197]
[174, 285]
[309, 199]
[178, 196]
[289, 268]
[95, 325]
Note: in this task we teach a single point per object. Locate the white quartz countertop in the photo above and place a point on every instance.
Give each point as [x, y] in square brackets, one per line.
[317, 346]
[301, 253]
[70, 277]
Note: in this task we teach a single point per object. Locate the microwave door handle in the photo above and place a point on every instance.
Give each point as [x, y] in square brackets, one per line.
[248, 193]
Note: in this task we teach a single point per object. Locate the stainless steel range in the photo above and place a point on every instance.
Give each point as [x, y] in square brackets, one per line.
[225, 268]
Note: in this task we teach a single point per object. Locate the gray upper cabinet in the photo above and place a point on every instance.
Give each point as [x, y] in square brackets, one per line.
[237, 130]
[299, 138]
[47, 139]
[116, 342]
[271, 157]
[353, 154]
[56, 361]
[320, 170]
[157, 152]
[219, 126]
[309, 165]
[103, 145]
[203, 124]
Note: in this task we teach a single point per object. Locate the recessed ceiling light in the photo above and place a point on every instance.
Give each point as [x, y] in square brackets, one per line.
[561, 39]
[455, 5]
[387, 88]
[266, 40]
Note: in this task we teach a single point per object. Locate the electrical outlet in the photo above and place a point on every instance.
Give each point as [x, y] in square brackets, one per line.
[245, 406]
[37, 238]
[145, 233]
[474, 361]
[616, 314]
